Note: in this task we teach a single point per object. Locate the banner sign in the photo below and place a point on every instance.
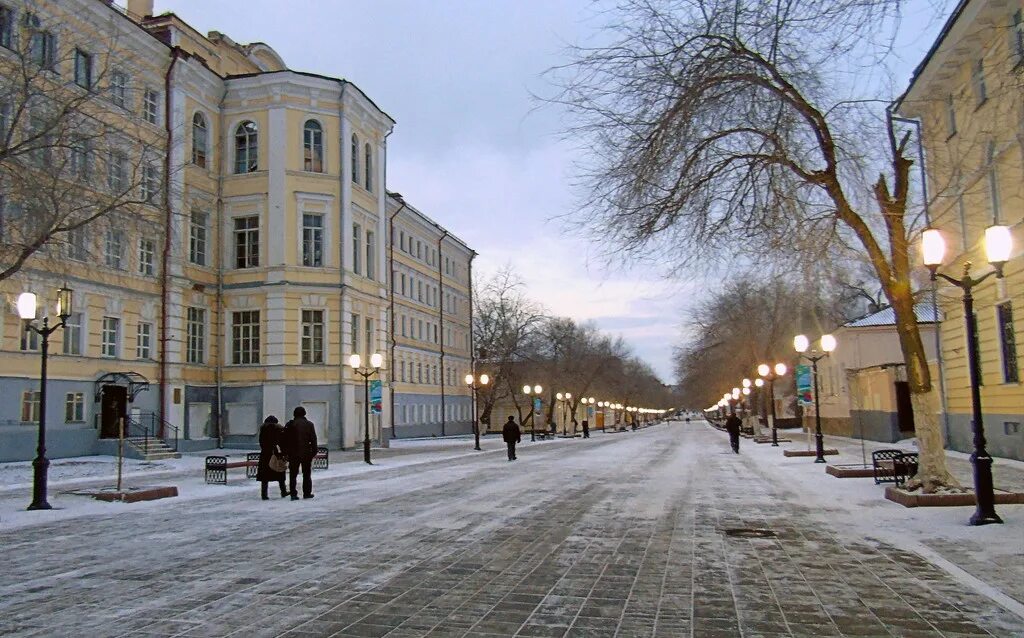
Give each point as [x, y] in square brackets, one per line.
[804, 395]
[376, 398]
[536, 406]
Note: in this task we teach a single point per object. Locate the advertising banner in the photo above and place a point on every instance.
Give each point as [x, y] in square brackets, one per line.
[804, 394]
[376, 393]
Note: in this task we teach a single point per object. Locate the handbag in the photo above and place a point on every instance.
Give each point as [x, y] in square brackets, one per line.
[277, 463]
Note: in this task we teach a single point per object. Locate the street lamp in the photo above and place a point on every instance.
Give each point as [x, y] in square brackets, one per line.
[563, 400]
[828, 344]
[535, 390]
[998, 245]
[771, 373]
[473, 386]
[355, 362]
[27, 308]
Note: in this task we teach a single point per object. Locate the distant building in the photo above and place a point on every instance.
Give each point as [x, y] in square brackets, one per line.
[967, 94]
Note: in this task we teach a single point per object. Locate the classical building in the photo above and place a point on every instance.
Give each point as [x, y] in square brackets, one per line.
[967, 95]
[263, 268]
[431, 313]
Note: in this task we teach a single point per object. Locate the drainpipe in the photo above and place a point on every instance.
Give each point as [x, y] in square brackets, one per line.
[472, 339]
[440, 317]
[342, 145]
[391, 293]
[219, 329]
[165, 258]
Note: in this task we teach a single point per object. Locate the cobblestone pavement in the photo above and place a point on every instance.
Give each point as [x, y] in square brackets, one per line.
[619, 535]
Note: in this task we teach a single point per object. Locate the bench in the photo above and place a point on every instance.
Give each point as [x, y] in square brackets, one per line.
[893, 466]
[216, 468]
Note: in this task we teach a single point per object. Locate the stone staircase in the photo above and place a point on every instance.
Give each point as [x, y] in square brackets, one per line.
[152, 449]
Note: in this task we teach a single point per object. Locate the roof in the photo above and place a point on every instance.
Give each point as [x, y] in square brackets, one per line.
[946, 28]
[926, 313]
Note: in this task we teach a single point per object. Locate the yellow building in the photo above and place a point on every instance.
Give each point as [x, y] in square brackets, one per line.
[967, 94]
[431, 298]
[273, 272]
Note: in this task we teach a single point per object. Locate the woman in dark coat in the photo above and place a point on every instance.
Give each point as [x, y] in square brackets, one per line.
[271, 444]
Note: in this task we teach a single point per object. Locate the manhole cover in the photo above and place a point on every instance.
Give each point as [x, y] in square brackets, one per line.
[750, 532]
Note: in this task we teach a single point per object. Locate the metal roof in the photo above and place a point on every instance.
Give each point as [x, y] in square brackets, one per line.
[926, 313]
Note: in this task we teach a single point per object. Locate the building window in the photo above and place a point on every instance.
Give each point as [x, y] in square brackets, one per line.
[247, 242]
[42, 45]
[144, 341]
[30, 406]
[357, 250]
[6, 28]
[199, 140]
[151, 106]
[404, 334]
[978, 80]
[83, 69]
[42, 142]
[369, 337]
[371, 249]
[245, 337]
[402, 276]
[73, 334]
[197, 238]
[119, 89]
[246, 154]
[81, 160]
[76, 244]
[111, 334]
[312, 336]
[150, 183]
[355, 333]
[950, 116]
[117, 171]
[195, 331]
[368, 164]
[147, 257]
[74, 407]
[993, 181]
[29, 341]
[419, 373]
[355, 159]
[1018, 36]
[113, 248]
[1008, 342]
[313, 147]
[312, 240]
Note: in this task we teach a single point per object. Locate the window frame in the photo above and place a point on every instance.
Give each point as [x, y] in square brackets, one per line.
[200, 143]
[151, 105]
[354, 150]
[81, 56]
[118, 89]
[30, 401]
[8, 21]
[113, 249]
[245, 330]
[144, 340]
[368, 167]
[147, 257]
[978, 82]
[312, 336]
[195, 335]
[71, 339]
[110, 327]
[313, 147]
[246, 143]
[246, 240]
[197, 245]
[313, 240]
[74, 407]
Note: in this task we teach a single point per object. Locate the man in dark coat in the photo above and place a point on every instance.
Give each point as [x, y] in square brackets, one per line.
[300, 438]
[510, 433]
[586, 429]
[732, 426]
[271, 444]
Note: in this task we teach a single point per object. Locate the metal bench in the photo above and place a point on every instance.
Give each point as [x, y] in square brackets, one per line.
[321, 459]
[893, 466]
[904, 467]
[216, 470]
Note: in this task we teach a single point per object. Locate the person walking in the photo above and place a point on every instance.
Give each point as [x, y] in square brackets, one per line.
[586, 429]
[732, 426]
[271, 447]
[510, 433]
[301, 440]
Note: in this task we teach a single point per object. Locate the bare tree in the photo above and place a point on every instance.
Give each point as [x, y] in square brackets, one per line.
[70, 155]
[714, 124]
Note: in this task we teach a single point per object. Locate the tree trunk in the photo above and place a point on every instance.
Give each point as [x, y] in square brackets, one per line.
[932, 473]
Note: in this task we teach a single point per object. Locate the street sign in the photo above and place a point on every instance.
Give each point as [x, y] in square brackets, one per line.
[804, 395]
[376, 396]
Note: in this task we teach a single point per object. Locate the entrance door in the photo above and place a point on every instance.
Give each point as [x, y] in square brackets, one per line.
[904, 408]
[113, 406]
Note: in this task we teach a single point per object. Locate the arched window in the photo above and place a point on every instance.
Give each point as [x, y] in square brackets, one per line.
[313, 146]
[199, 140]
[355, 159]
[368, 163]
[246, 156]
[993, 182]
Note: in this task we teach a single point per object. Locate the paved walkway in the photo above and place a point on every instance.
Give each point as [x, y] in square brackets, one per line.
[613, 536]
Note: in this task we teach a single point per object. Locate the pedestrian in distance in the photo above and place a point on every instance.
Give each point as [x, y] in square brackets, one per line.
[732, 426]
[511, 434]
[586, 429]
[271, 447]
[301, 439]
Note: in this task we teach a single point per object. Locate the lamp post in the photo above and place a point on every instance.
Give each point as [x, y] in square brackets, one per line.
[771, 373]
[563, 401]
[535, 390]
[997, 248]
[828, 344]
[473, 386]
[27, 308]
[376, 361]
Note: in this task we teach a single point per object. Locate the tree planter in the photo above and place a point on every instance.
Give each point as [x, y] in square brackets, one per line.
[964, 499]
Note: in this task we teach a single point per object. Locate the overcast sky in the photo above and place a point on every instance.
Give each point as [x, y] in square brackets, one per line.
[470, 148]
